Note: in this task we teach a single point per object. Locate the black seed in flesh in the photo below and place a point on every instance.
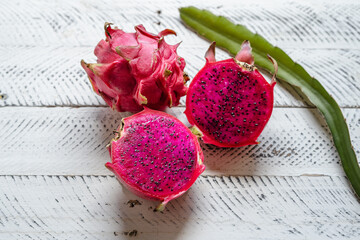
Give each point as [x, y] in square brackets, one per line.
[169, 154]
[237, 93]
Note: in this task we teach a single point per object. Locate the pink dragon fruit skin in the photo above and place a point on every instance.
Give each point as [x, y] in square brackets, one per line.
[155, 156]
[229, 101]
[137, 69]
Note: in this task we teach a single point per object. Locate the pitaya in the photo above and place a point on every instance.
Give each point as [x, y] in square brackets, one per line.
[230, 101]
[156, 156]
[137, 69]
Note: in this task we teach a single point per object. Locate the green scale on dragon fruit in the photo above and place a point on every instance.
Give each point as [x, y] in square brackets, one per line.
[229, 101]
[156, 156]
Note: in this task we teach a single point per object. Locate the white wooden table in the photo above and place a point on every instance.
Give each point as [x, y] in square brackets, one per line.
[54, 129]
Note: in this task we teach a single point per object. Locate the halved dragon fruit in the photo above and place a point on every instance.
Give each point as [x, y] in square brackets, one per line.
[230, 101]
[137, 69]
[156, 156]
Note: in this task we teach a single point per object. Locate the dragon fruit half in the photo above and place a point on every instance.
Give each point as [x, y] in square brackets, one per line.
[137, 69]
[230, 101]
[156, 156]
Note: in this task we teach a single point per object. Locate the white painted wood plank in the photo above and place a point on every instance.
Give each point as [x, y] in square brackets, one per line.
[51, 75]
[89, 207]
[298, 24]
[31, 76]
[71, 141]
[41, 44]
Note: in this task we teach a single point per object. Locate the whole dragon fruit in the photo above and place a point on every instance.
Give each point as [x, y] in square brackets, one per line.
[156, 156]
[230, 101]
[137, 69]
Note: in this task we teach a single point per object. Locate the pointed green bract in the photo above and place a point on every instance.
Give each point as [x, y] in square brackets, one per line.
[230, 36]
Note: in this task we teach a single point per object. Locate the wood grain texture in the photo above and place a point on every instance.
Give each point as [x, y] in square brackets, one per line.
[78, 23]
[54, 129]
[89, 207]
[40, 58]
[72, 141]
[30, 76]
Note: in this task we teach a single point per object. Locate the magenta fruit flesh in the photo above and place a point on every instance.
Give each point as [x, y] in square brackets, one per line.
[230, 101]
[156, 156]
